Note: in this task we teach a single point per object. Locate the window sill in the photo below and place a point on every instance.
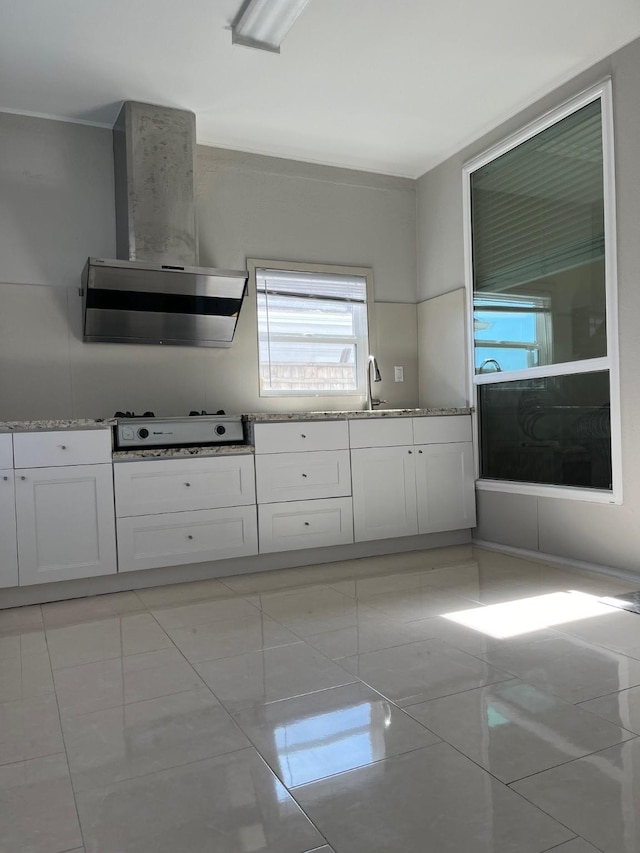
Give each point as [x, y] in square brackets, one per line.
[570, 493]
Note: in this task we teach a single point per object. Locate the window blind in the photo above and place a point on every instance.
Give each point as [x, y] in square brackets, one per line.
[538, 209]
[338, 288]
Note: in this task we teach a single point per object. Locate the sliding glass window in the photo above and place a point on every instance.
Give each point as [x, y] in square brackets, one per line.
[541, 272]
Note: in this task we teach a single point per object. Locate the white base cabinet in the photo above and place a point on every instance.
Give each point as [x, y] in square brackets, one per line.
[294, 525]
[384, 493]
[65, 523]
[8, 546]
[177, 538]
[445, 484]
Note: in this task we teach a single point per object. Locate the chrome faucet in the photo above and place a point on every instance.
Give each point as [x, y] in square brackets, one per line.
[377, 377]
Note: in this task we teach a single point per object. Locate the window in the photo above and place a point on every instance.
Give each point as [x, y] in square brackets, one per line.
[541, 272]
[312, 329]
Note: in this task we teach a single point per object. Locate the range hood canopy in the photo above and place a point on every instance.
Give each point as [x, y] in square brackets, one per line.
[155, 292]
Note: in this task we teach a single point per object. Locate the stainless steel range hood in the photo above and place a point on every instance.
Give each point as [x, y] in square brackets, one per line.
[155, 293]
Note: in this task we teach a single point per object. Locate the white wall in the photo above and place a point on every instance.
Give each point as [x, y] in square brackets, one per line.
[57, 207]
[602, 534]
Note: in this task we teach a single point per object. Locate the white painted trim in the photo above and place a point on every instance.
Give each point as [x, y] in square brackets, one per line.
[49, 117]
[552, 559]
[603, 91]
[591, 365]
[540, 490]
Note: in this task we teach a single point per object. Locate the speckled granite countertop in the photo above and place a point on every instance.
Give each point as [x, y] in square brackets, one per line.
[264, 417]
[44, 426]
[181, 452]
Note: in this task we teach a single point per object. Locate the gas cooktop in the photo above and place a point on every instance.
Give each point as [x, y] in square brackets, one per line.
[194, 429]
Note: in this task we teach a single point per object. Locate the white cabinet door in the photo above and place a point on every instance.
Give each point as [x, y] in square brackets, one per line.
[180, 485]
[65, 522]
[384, 492]
[445, 487]
[6, 450]
[303, 476]
[294, 525]
[151, 541]
[8, 542]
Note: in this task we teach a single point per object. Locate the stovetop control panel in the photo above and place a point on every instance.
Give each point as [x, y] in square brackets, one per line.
[179, 432]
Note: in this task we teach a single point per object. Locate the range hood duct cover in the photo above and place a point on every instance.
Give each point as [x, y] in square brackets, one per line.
[155, 292]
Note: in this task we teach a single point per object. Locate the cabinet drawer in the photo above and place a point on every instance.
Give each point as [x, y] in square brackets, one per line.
[301, 435]
[386, 432]
[6, 450]
[300, 476]
[305, 524]
[180, 485]
[173, 539]
[442, 430]
[68, 447]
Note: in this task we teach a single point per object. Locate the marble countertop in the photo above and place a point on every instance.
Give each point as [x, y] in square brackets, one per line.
[264, 417]
[44, 426]
[135, 455]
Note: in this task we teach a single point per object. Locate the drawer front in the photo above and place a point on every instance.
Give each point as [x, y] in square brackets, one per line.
[6, 450]
[180, 485]
[305, 524]
[442, 430]
[174, 539]
[386, 432]
[300, 476]
[301, 435]
[68, 447]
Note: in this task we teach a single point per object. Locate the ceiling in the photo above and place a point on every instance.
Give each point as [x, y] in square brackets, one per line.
[392, 86]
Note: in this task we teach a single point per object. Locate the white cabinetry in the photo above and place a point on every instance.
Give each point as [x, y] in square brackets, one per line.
[177, 511]
[384, 493]
[65, 523]
[8, 545]
[401, 489]
[6, 450]
[303, 484]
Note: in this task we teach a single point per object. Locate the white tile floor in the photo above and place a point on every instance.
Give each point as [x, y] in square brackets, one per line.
[331, 708]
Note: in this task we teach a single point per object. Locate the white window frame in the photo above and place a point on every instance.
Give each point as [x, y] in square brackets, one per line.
[254, 264]
[610, 362]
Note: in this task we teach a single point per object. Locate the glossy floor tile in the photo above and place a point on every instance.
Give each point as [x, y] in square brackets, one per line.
[250, 632]
[133, 740]
[106, 638]
[430, 799]
[254, 679]
[29, 728]
[513, 729]
[326, 709]
[419, 671]
[569, 668]
[597, 797]
[229, 804]
[37, 810]
[325, 733]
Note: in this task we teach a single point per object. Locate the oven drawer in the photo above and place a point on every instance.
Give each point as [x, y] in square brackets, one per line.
[305, 524]
[6, 450]
[62, 447]
[299, 476]
[179, 485]
[443, 429]
[173, 539]
[298, 436]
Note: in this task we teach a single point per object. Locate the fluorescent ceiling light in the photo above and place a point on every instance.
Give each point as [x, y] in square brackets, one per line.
[265, 23]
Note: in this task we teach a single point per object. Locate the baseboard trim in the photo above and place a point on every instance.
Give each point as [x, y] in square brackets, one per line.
[553, 559]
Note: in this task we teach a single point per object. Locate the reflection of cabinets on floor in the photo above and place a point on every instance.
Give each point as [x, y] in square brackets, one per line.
[420, 480]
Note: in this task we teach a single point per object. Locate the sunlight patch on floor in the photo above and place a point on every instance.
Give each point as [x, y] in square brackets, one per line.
[513, 618]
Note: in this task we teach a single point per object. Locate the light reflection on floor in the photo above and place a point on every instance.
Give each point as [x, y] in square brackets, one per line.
[514, 618]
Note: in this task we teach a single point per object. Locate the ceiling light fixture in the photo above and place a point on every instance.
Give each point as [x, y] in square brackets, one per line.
[264, 23]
